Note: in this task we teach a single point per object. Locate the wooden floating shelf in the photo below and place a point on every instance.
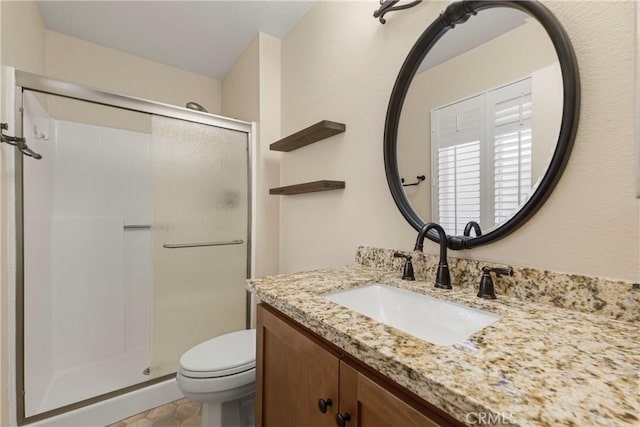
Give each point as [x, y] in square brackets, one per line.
[314, 133]
[308, 187]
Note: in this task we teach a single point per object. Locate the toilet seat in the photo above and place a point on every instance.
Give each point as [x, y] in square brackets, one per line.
[217, 374]
[230, 354]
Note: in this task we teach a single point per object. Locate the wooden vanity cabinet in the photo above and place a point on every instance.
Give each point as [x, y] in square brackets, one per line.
[292, 374]
[295, 369]
[371, 405]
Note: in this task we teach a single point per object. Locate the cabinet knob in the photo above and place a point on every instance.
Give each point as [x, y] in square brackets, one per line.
[341, 419]
[324, 404]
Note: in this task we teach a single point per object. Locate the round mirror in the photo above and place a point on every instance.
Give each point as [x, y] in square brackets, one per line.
[481, 120]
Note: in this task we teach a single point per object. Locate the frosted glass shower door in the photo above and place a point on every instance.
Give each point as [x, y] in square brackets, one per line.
[199, 236]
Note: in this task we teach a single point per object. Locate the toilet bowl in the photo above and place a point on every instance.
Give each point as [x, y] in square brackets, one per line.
[220, 373]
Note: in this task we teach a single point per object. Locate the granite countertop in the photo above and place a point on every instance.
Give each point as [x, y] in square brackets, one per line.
[538, 365]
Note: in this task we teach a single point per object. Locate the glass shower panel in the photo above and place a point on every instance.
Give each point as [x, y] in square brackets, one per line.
[199, 237]
[86, 273]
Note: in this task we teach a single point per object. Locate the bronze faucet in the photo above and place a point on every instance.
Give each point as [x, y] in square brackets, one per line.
[443, 279]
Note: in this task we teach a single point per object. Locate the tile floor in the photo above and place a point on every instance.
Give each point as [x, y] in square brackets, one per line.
[181, 413]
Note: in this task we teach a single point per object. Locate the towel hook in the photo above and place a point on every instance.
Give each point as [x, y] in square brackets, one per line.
[18, 142]
[419, 178]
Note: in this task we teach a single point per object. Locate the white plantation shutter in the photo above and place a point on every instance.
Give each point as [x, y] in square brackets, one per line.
[458, 131]
[481, 154]
[459, 186]
[509, 128]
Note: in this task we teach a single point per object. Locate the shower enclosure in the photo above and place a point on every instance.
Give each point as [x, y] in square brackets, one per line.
[132, 241]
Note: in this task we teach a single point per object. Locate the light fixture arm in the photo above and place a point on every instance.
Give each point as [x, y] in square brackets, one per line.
[387, 6]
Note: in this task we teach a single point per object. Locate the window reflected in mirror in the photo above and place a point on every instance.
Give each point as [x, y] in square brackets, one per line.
[481, 120]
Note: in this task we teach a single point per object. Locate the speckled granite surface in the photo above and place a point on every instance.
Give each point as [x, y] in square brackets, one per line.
[538, 365]
[617, 299]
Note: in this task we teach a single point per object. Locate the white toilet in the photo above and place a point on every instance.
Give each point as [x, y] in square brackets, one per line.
[220, 373]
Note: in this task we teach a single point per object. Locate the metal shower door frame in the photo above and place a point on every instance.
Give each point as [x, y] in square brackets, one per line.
[36, 83]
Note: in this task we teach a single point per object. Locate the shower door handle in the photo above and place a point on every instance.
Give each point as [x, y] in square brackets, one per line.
[200, 245]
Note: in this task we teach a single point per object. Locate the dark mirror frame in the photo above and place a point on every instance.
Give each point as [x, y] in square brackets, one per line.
[455, 14]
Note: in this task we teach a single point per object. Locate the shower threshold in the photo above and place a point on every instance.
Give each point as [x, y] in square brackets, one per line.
[84, 382]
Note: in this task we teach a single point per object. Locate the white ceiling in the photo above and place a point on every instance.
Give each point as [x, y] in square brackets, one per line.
[205, 37]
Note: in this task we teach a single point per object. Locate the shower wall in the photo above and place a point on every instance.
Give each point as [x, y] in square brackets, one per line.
[92, 250]
[87, 277]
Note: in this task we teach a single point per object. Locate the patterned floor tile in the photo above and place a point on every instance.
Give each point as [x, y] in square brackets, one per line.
[181, 413]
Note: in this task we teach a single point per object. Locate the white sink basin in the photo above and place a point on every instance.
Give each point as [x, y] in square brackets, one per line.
[430, 319]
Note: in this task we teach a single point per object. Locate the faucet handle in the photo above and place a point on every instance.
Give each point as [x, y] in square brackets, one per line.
[407, 271]
[507, 271]
[487, 290]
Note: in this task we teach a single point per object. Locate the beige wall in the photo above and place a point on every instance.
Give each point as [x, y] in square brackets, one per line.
[89, 64]
[546, 113]
[340, 64]
[637, 52]
[241, 86]
[637, 111]
[4, 277]
[268, 206]
[28, 46]
[23, 36]
[4, 366]
[251, 92]
[22, 45]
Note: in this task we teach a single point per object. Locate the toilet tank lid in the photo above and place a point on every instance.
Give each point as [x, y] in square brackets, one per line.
[222, 353]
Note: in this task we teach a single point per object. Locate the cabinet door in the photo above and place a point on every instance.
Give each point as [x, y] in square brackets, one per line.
[293, 373]
[370, 405]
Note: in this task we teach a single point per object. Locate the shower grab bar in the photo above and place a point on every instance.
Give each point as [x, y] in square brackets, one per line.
[198, 245]
[137, 227]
